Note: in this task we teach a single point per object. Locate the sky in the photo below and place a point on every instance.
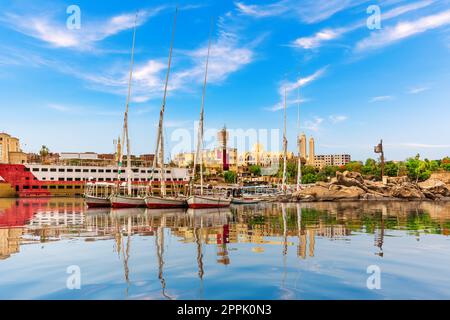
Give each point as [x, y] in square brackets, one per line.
[355, 80]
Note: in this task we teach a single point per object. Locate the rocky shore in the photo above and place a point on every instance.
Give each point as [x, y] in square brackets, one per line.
[350, 186]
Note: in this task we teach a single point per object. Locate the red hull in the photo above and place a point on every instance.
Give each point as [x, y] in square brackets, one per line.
[96, 205]
[165, 205]
[116, 205]
[204, 206]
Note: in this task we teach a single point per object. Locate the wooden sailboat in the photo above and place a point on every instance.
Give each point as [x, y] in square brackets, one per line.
[128, 196]
[204, 201]
[97, 194]
[162, 200]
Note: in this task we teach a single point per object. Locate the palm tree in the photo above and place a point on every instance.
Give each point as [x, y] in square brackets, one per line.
[44, 153]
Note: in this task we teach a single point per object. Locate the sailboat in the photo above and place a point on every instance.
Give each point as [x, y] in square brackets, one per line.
[127, 195]
[164, 201]
[204, 201]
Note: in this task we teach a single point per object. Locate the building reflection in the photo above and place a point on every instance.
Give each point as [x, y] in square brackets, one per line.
[269, 224]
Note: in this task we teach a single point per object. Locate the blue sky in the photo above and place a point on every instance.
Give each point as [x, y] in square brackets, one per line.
[66, 88]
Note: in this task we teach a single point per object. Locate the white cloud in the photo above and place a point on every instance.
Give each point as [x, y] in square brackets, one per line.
[329, 34]
[381, 98]
[417, 90]
[291, 86]
[337, 118]
[262, 11]
[420, 145]
[290, 103]
[228, 55]
[300, 82]
[313, 125]
[308, 11]
[56, 34]
[402, 31]
[59, 107]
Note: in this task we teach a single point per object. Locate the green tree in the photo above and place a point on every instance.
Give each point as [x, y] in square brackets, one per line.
[417, 169]
[230, 176]
[391, 169]
[329, 171]
[309, 178]
[308, 169]
[370, 167]
[44, 153]
[255, 170]
[355, 166]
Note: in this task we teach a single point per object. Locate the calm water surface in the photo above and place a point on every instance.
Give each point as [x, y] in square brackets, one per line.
[266, 251]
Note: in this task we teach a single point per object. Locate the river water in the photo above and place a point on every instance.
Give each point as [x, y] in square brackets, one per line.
[58, 249]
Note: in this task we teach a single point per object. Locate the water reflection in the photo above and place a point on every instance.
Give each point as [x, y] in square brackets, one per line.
[262, 226]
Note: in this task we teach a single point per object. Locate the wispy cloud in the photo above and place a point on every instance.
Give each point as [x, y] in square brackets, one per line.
[381, 98]
[417, 90]
[308, 11]
[291, 86]
[419, 145]
[403, 30]
[59, 107]
[300, 82]
[313, 125]
[289, 103]
[262, 11]
[229, 54]
[55, 33]
[328, 34]
[337, 118]
[81, 110]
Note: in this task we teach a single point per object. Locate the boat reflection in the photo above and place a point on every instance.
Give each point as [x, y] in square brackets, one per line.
[28, 221]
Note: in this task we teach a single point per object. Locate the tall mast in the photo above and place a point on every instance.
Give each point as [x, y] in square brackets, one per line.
[284, 146]
[160, 137]
[299, 161]
[199, 151]
[125, 137]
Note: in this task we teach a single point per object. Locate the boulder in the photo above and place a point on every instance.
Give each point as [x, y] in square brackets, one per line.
[436, 187]
[407, 191]
[333, 193]
[397, 180]
[373, 197]
[350, 179]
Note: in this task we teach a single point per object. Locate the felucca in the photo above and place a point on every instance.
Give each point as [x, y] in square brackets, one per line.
[163, 200]
[126, 195]
[202, 200]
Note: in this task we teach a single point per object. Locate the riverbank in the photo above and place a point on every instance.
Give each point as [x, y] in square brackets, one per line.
[351, 186]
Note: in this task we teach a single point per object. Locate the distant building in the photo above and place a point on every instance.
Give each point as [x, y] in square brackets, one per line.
[258, 156]
[78, 156]
[222, 138]
[212, 159]
[321, 161]
[312, 151]
[219, 158]
[10, 151]
[302, 146]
